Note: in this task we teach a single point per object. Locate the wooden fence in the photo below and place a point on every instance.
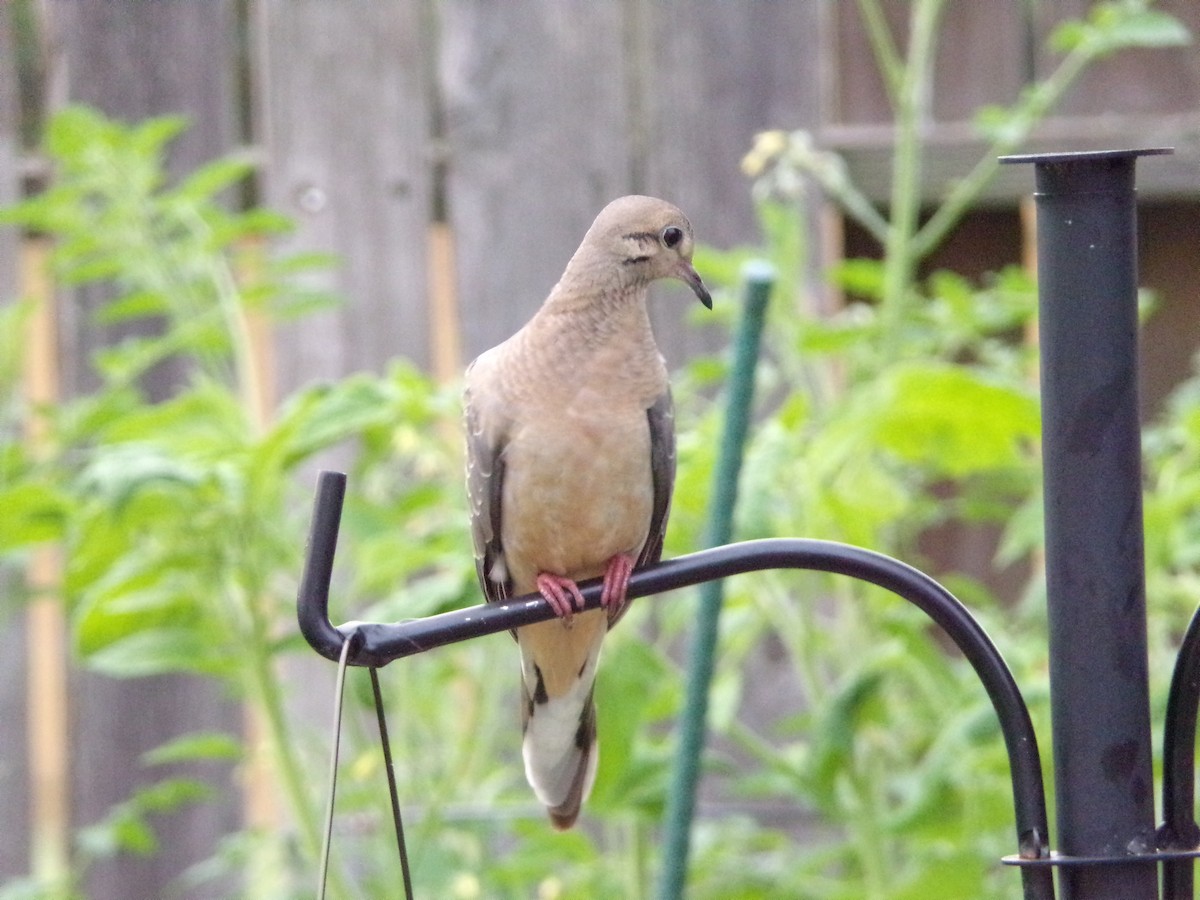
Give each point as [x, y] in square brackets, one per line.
[451, 153]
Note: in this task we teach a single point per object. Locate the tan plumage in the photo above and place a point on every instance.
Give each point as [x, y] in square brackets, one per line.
[571, 460]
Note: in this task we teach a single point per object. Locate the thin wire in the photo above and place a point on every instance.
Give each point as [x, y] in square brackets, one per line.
[391, 779]
[333, 767]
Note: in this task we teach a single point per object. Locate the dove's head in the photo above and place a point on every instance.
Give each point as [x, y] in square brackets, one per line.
[649, 239]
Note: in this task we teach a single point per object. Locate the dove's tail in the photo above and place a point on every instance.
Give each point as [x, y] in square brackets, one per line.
[560, 750]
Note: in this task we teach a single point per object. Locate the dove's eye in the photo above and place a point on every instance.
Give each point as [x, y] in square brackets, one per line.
[672, 235]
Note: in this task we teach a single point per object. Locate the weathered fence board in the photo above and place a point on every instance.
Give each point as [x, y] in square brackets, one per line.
[709, 88]
[135, 60]
[343, 117]
[14, 786]
[537, 127]
[555, 109]
[344, 120]
[964, 77]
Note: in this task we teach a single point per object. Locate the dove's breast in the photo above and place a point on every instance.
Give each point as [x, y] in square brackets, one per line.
[577, 491]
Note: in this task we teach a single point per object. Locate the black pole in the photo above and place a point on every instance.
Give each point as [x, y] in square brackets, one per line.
[1099, 690]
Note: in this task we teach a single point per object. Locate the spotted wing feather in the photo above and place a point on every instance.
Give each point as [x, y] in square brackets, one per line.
[485, 488]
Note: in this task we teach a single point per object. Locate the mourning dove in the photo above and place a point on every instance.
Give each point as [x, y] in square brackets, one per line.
[570, 464]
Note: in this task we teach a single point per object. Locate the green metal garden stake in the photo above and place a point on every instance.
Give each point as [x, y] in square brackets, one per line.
[759, 277]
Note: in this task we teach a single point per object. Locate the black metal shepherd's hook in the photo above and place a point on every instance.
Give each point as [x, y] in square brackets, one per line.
[376, 644]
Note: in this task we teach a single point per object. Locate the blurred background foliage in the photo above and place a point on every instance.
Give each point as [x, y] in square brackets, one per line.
[879, 773]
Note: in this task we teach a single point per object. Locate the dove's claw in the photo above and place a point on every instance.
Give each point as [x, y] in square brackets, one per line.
[561, 593]
[616, 582]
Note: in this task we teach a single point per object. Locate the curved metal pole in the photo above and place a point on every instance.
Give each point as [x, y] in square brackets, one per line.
[1179, 830]
[379, 644]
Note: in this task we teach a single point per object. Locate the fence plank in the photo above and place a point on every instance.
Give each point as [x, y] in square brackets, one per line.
[14, 783]
[964, 78]
[538, 131]
[344, 121]
[342, 114]
[553, 110]
[735, 70]
[134, 60]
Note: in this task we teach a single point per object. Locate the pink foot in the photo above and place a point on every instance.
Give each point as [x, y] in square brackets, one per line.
[559, 592]
[616, 582]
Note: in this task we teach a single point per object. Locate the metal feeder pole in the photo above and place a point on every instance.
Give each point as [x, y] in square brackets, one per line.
[1099, 689]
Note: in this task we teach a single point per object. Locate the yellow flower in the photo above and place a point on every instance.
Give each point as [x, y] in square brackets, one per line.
[767, 146]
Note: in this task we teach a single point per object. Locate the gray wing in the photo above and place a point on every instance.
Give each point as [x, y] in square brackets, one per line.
[485, 487]
[661, 419]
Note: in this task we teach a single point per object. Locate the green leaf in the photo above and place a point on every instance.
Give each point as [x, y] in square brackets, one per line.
[212, 178]
[202, 745]
[836, 734]
[118, 472]
[1153, 29]
[955, 420]
[205, 420]
[840, 334]
[150, 138]
[34, 512]
[269, 222]
[72, 131]
[139, 304]
[170, 794]
[126, 828]
[1114, 26]
[630, 683]
[325, 415]
[861, 277]
[158, 651]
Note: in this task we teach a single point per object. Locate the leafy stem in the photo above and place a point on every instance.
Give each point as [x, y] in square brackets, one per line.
[912, 97]
[887, 57]
[1034, 106]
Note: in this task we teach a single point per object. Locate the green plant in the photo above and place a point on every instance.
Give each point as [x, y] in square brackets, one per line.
[887, 740]
[910, 409]
[782, 162]
[181, 519]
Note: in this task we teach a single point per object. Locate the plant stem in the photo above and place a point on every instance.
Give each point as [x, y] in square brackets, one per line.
[635, 887]
[829, 172]
[779, 607]
[900, 261]
[1035, 105]
[887, 58]
[869, 837]
[246, 365]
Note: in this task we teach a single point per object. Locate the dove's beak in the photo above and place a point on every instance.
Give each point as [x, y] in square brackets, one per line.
[688, 276]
